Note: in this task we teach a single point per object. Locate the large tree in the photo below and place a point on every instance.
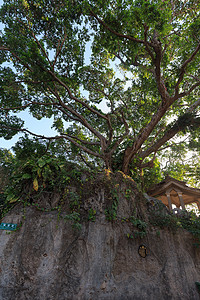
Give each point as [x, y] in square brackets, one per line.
[126, 102]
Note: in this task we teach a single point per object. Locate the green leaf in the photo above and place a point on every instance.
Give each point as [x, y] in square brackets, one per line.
[26, 176]
[42, 162]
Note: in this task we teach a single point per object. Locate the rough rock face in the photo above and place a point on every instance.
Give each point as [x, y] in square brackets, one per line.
[46, 259]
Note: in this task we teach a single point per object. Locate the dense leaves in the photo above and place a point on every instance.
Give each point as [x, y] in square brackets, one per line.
[34, 170]
[120, 78]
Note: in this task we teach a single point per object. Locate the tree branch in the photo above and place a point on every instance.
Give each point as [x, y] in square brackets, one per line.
[59, 48]
[26, 105]
[75, 98]
[131, 38]
[170, 133]
[40, 46]
[186, 93]
[82, 120]
[84, 141]
[89, 165]
[149, 163]
[183, 69]
[55, 138]
[157, 63]
[3, 48]
[146, 43]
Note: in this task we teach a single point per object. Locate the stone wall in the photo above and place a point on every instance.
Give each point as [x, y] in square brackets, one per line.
[47, 259]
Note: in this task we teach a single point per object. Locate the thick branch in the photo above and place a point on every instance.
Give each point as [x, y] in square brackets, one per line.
[169, 134]
[183, 69]
[143, 136]
[110, 130]
[157, 63]
[82, 120]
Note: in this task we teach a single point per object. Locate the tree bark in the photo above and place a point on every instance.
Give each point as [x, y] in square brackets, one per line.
[130, 152]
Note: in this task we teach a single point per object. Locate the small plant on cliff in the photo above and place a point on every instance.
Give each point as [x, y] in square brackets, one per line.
[140, 228]
[191, 222]
[159, 216]
[111, 212]
[92, 214]
[164, 221]
[75, 218]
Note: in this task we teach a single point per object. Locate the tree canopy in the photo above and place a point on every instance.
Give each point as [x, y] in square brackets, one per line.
[120, 78]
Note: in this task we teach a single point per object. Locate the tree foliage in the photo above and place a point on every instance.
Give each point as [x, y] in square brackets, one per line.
[123, 105]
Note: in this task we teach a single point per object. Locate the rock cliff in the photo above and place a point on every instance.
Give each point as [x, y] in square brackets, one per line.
[47, 259]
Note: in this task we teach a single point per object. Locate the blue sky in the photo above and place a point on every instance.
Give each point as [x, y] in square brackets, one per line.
[39, 127]
[43, 126]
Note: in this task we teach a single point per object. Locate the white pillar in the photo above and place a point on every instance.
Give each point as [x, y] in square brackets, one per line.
[169, 201]
[180, 195]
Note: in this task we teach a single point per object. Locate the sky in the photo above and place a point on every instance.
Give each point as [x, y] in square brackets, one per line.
[37, 126]
[31, 123]
[42, 126]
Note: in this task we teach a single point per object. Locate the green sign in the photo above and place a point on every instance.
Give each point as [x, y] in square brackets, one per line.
[8, 226]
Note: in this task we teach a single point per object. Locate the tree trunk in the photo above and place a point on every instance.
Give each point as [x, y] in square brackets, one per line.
[127, 160]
